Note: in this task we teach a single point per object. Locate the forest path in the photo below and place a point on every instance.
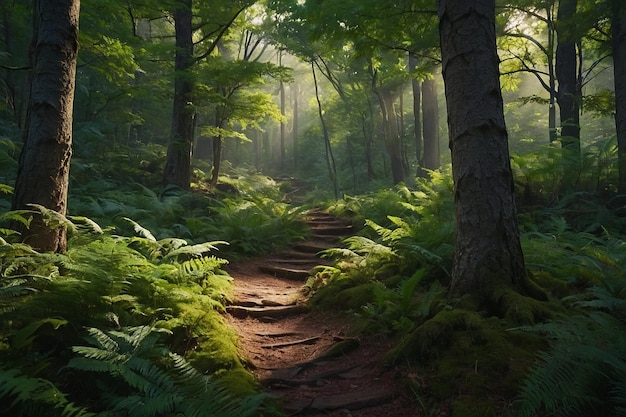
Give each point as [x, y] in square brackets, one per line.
[307, 358]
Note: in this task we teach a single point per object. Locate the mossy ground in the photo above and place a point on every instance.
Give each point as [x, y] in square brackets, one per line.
[469, 360]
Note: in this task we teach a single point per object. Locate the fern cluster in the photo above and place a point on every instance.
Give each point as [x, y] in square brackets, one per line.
[401, 261]
[252, 222]
[121, 289]
[144, 378]
[584, 371]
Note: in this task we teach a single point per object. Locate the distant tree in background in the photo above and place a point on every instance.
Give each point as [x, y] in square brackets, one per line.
[43, 171]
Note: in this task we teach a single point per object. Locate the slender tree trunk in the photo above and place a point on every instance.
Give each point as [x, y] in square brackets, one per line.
[368, 139]
[330, 159]
[618, 29]
[552, 133]
[488, 253]
[295, 92]
[393, 143]
[566, 74]
[43, 172]
[283, 134]
[416, 88]
[432, 152]
[218, 146]
[178, 164]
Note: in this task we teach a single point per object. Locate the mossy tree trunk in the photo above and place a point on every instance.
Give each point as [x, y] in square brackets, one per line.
[44, 166]
[619, 68]
[178, 164]
[488, 253]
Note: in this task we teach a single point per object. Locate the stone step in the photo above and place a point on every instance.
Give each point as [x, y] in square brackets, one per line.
[353, 400]
[267, 311]
[313, 246]
[308, 260]
[327, 230]
[286, 273]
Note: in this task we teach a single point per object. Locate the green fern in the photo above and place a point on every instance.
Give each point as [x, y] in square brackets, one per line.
[140, 230]
[22, 395]
[584, 372]
[149, 380]
[186, 252]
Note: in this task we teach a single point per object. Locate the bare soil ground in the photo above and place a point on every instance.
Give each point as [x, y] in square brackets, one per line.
[309, 359]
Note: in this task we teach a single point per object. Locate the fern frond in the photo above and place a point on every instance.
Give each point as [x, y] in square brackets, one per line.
[140, 230]
[157, 382]
[92, 226]
[569, 380]
[586, 363]
[102, 339]
[20, 392]
[367, 246]
[54, 219]
[24, 217]
[194, 250]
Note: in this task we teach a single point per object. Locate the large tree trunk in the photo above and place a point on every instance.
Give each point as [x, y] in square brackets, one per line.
[567, 76]
[43, 172]
[488, 254]
[178, 165]
[619, 68]
[430, 109]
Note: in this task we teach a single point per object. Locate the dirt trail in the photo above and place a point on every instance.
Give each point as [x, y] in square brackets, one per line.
[309, 358]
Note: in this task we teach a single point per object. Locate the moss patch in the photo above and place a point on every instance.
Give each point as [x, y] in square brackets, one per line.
[468, 360]
[344, 296]
[519, 309]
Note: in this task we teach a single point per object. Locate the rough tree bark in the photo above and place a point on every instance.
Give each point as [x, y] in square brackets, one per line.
[43, 171]
[618, 29]
[178, 164]
[488, 253]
